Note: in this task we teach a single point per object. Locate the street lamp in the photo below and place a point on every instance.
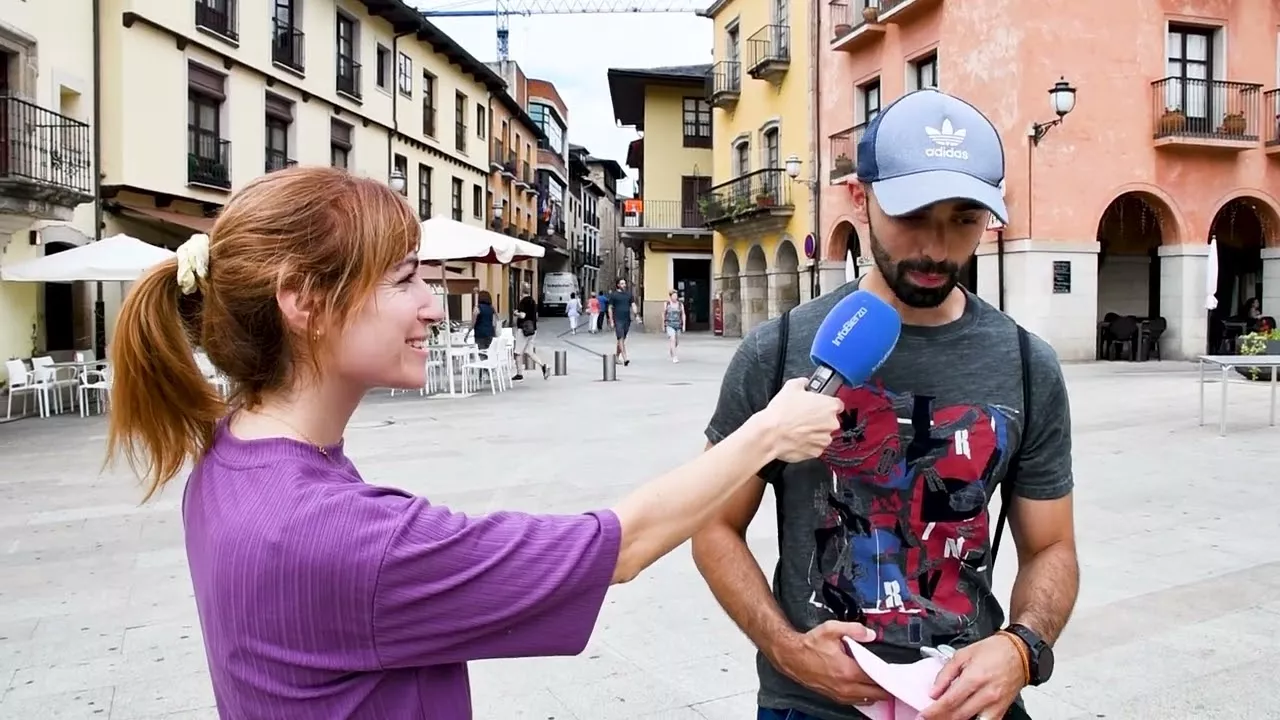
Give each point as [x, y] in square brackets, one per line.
[497, 211]
[396, 181]
[793, 166]
[1062, 98]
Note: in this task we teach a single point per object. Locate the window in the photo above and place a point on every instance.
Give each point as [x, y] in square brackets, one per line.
[481, 120]
[460, 122]
[404, 75]
[549, 121]
[286, 38]
[869, 94]
[383, 67]
[348, 68]
[925, 72]
[477, 201]
[218, 17]
[742, 157]
[279, 118]
[208, 155]
[340, 144]
[455, 199]
[1190, 69]
[697, 123]
[772, 153]
[401, 165]
[428, 104]
[424, 192]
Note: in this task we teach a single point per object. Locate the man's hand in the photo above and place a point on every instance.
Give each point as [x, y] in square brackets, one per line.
[819, 661]
[981, 681]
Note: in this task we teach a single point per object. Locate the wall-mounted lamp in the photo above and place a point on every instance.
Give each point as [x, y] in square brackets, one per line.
[396, 181]
[793, 166]
[497, 211]
[33, 237]
[1062, 98]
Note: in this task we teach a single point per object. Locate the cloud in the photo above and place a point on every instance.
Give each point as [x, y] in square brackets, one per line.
[575, 53]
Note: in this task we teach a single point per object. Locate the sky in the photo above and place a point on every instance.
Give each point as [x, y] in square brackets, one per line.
[575, 52]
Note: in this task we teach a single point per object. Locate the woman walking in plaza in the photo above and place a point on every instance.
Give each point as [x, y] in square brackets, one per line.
[673, 318]
[593, 313]
[482, 321]
[574, 311]
[320, 596]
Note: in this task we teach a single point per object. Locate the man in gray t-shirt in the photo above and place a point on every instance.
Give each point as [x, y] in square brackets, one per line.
[890, 530]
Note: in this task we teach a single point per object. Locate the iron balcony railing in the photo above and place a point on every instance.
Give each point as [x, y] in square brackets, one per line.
[499, 153]
[278, 160]
[525, 175]
[665, 214]
[218, 16]
[460, 136]
[1271, 117]
[348, 76]
[754, 193]
[39, 146]
[844, 151]
[771, 43]
[287, 46]
[1205, 109]
[724, 77]
[208, 158]
[511, 165]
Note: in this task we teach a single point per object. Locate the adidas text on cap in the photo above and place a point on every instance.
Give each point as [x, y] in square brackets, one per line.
[927, 147]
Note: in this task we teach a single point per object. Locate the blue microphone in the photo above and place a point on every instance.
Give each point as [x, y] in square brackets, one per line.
[853, 341]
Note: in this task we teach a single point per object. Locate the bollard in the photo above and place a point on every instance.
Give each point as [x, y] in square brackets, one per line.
[561, 363]
[610, 367]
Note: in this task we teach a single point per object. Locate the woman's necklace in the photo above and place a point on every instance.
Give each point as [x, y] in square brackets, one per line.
[323, 450]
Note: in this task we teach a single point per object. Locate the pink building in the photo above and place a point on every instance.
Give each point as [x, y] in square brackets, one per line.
[1173, 139]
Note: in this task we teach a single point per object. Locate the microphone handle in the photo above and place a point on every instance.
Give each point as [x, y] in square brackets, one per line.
[825, 381]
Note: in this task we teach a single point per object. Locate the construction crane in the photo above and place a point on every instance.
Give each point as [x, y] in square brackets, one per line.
[504, 9]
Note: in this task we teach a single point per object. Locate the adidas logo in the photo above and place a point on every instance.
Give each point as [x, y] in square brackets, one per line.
[947, 141]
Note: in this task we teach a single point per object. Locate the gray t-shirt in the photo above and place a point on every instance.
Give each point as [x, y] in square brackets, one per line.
[621, 301]
[890, 528]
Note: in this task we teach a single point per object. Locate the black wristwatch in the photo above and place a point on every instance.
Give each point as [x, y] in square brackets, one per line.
[1039, 652]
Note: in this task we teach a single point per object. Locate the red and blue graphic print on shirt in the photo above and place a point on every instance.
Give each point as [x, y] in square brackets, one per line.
[906, 527]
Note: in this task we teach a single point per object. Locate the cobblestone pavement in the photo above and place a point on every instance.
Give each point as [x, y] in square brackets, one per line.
[1176, 617]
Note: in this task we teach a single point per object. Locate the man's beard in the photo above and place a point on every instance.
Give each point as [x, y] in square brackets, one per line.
[895, 275]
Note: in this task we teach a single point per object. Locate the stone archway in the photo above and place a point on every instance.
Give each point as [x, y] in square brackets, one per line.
[1244, 227]
[842, 241]
[729, 283]
[785, 279]
[1130, 233]
[755, 289]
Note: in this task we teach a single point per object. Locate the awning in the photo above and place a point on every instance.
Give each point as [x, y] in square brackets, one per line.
[457, 281]
[168, 217]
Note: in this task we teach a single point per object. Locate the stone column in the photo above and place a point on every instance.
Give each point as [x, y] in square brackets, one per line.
[830, 275]
[1271, 282]
[1182, 300]
[773, 285]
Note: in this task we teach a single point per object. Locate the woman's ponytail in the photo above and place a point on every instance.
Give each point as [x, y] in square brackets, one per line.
[163, 410]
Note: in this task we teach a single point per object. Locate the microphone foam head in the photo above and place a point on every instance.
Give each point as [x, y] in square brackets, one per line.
[856, 337]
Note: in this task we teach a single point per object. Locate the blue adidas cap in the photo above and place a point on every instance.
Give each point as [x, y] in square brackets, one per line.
[927, 147]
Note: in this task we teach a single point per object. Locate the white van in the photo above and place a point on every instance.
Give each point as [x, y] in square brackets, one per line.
[556, 287]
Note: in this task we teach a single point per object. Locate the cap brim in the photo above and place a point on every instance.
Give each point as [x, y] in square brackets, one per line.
[908, 193]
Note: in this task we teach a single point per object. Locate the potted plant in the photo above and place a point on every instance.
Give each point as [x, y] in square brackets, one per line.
[843, 165]
[871, 13]
[842, 29]
[1172, 121]
[1259, 343]
[764, 199]
[1233, 123]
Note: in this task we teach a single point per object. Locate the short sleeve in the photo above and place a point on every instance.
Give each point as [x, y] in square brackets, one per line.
[1045, 471]
[744, 391]
[454, 588]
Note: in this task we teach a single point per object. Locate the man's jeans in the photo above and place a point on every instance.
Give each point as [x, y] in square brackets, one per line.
[767, 714]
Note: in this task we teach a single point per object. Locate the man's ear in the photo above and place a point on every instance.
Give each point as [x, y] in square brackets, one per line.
[858, 193]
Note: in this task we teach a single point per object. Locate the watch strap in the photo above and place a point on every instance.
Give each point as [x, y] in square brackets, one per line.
[1024, 654]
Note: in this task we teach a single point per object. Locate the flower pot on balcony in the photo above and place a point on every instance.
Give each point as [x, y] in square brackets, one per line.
[843, 165]
[1172, 122]
[842, 29]
[1233, 124]
[871, 14]
[764, 200]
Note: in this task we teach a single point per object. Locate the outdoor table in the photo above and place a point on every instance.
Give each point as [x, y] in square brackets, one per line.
[1228, 363]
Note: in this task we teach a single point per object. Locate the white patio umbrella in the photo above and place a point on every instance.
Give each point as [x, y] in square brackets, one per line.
[1211, 276]
[850, 267]
[119, 258]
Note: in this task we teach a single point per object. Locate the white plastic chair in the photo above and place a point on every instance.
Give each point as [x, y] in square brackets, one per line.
[494, 364]
[52, 377]
[95, 382]
[22, 382]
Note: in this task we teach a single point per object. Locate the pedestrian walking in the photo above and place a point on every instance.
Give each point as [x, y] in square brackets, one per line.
[673, 319]
[593, 314]
[574, 310]
[527, 314]
[318, 595]
[622, 307]
[482, 321]
[603, 297]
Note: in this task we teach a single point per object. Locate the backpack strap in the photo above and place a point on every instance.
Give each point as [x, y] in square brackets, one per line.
[1011, 473]
[773, 471]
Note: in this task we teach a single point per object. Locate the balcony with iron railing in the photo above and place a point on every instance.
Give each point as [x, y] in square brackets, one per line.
[724, 83]
[278, 160]
[208, 159]
[509, 165]
[287, 47]
[45, 158]
[525, 177]
[499, 154]
[218, 17]
[758, 196]
[664, 216]
[1214, 114]
[1271, 121]
[853, 23]
[348, 77]
[844, 152]
[769, 52]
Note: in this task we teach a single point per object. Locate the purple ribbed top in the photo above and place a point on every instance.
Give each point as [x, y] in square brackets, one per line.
[323, 597]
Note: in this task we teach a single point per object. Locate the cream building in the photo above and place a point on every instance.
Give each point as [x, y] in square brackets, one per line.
[200, 96]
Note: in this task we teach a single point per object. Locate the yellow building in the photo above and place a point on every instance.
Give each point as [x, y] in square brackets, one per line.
[665, 225]
[200, 96]
[761, 215]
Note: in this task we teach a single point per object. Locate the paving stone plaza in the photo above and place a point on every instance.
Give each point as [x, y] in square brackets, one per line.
[1177, 617]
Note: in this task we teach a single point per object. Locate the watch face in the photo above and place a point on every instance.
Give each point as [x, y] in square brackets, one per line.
[1044, 664]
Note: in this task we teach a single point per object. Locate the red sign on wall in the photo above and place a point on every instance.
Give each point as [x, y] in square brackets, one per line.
[717, 314]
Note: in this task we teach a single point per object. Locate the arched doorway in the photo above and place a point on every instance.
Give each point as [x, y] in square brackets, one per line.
[786, 277]
[62, 306]
[1241, 228]
[1130, 233]
[755, 289]
[730, 285]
